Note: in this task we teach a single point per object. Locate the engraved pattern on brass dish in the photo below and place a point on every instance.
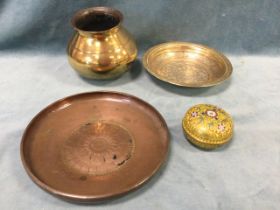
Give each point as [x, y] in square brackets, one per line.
[207, 126]
[187, 64]
[97, 144]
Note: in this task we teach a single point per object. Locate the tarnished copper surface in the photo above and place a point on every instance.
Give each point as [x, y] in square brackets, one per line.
[187, 64]
[94, 146]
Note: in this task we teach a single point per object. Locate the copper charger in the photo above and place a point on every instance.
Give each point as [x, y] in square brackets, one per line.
[94, 146]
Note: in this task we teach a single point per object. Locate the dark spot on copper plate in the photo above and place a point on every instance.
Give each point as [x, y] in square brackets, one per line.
[83, 178]
[119, 164]
[127, 158]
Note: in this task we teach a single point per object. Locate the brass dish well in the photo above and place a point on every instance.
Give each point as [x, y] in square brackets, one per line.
[187, 64]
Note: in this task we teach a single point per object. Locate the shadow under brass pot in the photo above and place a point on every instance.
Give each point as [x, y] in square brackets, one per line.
[101, 48]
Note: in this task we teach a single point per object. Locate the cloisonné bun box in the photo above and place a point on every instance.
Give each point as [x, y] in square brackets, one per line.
[207, 126]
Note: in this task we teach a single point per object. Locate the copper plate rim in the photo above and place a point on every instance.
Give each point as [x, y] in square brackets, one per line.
[94, 198]
[228, 69]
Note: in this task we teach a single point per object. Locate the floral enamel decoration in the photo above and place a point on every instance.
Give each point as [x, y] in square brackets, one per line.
[207, 126]
[221, 127]
[194, 114]
[211, 113]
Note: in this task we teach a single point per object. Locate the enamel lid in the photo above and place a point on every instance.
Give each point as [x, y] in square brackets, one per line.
[207, 126]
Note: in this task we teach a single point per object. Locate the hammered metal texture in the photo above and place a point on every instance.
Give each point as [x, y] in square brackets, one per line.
[187, 64]
[207, 126]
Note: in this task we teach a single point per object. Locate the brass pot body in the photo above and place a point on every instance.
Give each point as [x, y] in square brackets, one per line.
[101, 47]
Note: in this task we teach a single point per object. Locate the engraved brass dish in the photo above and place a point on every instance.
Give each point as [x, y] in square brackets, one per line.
[101, 47]
[187, 64]
[94, 146]
[207, 126]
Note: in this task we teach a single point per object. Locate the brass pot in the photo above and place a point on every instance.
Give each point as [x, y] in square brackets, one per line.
[101, 48]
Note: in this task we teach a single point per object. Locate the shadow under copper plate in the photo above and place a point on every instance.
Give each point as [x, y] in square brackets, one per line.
[94, 146]
[187, 64]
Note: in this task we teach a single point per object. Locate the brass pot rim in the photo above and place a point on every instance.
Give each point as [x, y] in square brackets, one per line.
[102, 10]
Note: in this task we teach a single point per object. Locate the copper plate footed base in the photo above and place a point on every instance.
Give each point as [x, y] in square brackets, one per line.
[94, 146]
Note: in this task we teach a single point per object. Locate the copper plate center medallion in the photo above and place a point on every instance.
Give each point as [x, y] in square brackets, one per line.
[97, 148]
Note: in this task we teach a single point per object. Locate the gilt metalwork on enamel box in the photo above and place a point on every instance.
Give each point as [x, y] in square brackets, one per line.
[207, 126]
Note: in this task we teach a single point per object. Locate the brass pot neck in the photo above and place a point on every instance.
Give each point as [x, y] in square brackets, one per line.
[97, 21]
[98, 34]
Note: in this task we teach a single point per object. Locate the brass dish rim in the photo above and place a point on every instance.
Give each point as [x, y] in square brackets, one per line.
[94, 198]
[226, 75]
